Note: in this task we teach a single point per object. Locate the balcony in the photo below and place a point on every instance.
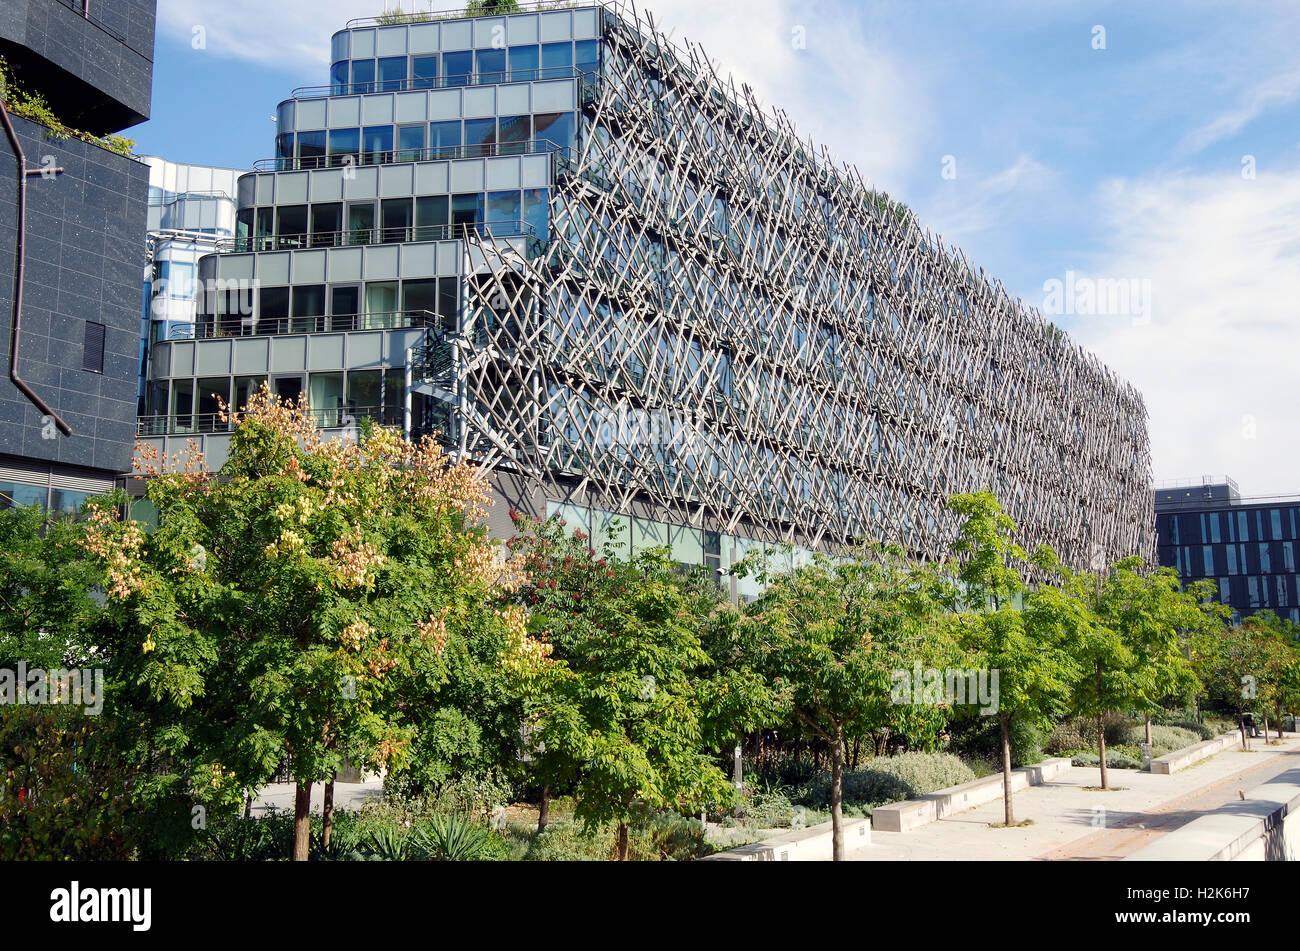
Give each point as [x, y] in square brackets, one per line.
[254, 326]
[189, 424]
[495, 78]
[397, 156]
[407, 234]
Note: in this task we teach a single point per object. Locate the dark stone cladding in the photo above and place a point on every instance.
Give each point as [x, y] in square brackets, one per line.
[96, 72]
[85, 230]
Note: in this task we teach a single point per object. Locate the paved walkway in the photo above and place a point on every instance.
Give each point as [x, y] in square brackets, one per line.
[1074, 823]
[347, 796]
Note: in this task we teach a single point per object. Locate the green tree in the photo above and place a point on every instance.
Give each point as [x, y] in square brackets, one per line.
[840, 629]
[295, 603]
[1035, 670]
[617, 718]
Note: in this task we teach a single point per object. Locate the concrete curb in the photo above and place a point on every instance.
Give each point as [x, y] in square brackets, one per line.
[909, 815]
[1265, 826]
[813, 844]
[1181, 759]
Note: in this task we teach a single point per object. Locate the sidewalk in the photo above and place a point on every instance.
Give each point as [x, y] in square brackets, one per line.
[347, 796]
[1071, 822]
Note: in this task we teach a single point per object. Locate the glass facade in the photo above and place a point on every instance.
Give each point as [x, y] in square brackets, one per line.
[1250, 550]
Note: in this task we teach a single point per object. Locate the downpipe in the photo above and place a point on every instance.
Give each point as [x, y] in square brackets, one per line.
[16, 327]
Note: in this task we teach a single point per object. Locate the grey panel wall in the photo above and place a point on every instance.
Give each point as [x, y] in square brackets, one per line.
[96, 71]
[84, 234]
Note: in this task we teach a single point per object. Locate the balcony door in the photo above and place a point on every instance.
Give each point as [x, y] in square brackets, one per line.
[345, 305]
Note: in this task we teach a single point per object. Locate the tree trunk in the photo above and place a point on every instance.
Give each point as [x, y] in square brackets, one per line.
[301, 821]
[544, 810]
[327, 816]
[837, 798]
[1008, 811]
[1265, 716]
[1148, 718]
[1101, 750]
[1242, 720]
[248, 803]
[622, 842]
[1101, 731]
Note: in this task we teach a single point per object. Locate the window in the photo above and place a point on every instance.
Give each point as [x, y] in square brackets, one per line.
[363, 76]
[339, 78]
[326, 224]
[284, 145]
[182, 405]
[1265, 559]
[342, 144]
[396, 214]
[523, 63]
[392, 74]
[503, 210]
[92, 356]
[272, 308]
[410, 143]
[16, 495]
[361, 222]
[1275, 519]
[311, 149]
[491, 65]
[290, 226]
[557, 59]
[420, 296]
[457, 68]
[308, 304]
[365, 389]
[245, 387]
[381, 297]
[537, 212]
[345, 303]
[431, 218]
[212, 392]
[515, 133]
[424, 72]
[325, 395]
[377, 144]
[480, 136]
[445, 135]
[448, 300]
[586, 56]
[466, 212]
[557, 128]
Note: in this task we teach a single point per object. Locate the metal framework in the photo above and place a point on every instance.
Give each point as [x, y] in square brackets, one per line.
[800, 360]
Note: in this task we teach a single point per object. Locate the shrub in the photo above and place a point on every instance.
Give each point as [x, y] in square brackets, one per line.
[668, 837]
[982, 737]
[451, 838]
[1166, 739]
[891, 779]
[1113, 760]
[1200, 729]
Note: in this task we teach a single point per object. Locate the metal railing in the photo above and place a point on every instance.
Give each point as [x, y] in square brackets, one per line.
[398, 18]
[255, 326]
[342, 417]
[441, 153]
[1197, 482]
[493, 77]
[405, 234]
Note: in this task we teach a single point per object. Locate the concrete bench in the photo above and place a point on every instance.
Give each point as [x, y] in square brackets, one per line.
[1181, 759]
[1265, 826]
[913, 813]
[813, 844]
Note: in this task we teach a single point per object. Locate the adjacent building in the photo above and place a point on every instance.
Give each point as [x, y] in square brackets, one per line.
[1207, 530]
[73, 214]
[191, 214]
[597, 267]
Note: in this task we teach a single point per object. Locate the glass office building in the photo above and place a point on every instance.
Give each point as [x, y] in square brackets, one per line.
[1206, 530]
[602, 271]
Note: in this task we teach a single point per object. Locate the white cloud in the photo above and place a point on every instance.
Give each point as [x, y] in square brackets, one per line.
[1258, 99]
[971, 204]
[292, 34]
[1217, 363]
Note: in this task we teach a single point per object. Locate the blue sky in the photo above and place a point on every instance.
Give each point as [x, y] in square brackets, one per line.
[1168, 160]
